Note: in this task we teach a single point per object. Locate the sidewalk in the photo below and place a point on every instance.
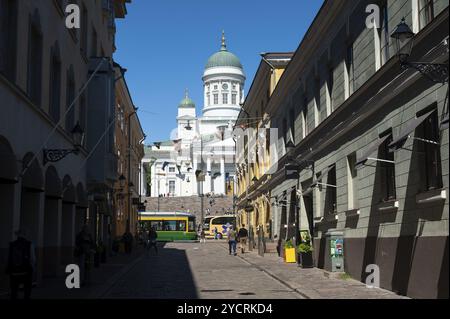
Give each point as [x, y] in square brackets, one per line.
[102, 279]
[314, 283]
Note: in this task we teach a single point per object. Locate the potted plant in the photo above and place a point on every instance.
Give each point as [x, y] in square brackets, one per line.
[305, 253]
[289, 252]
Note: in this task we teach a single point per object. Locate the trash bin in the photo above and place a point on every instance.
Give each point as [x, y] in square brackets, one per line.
[335, 240]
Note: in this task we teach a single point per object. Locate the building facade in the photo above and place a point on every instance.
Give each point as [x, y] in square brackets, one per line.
[47, 87]
[254, 157]
[129, 149]
[199, 158]
[369, 143]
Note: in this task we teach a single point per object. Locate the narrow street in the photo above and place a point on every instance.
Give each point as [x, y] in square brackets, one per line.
[191, 271]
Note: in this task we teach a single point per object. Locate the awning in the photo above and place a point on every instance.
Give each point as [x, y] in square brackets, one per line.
[405, 132]
[322, 174]
[361, 160]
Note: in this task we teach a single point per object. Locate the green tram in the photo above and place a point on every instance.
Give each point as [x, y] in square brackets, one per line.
[170, 226]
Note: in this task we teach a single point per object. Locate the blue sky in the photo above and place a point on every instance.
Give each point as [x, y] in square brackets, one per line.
[165, 44]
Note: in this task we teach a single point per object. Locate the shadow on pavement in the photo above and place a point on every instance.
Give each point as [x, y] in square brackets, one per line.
[163, 275]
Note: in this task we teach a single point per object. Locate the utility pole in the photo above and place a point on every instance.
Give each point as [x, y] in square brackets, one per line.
[201, 182]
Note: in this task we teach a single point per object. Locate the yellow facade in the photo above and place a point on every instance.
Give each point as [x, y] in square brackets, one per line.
[130, 151]
[253, 162]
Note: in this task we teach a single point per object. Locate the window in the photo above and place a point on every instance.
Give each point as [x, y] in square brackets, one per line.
[387, 170]
[172, 187]
[34, 60]
[55, 84]
[191, 225]
[292, 124]
[429, 152]
[8, 36]
[225, 98]
[329, 88]
[331, 192]
[352, 182]
[216, 87]
[284, 130]
[234, 98]
[171, 169]
[216, 99]
[70, 97]
[305, 120]
[384, 35]
[168, 225]
[426, 12]
[349, 72]
[317, 102]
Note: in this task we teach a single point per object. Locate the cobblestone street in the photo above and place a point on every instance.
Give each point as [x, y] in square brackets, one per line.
[207, 271]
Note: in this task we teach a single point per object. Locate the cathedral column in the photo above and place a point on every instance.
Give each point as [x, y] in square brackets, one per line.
[208, 176]
[222, 175]
[194, 181]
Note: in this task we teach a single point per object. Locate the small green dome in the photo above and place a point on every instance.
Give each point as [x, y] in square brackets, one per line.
[187, 102]
[223, 58]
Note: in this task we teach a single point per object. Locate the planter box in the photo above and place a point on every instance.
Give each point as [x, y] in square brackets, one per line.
[306, 260]
[290, 255]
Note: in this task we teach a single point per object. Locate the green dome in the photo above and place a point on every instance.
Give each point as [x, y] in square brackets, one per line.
[187, 102]
[223, 58]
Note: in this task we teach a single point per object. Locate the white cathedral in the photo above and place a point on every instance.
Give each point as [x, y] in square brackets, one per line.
[199, 158]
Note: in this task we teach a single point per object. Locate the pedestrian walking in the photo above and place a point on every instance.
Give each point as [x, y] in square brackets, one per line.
[216, 233]
[232, 237]
[84, 248]
[128, 241]
[152, 240]
[242, 235]
[21, 264]
[202, 236]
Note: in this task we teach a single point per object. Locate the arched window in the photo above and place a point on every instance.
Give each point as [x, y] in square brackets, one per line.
[55, 83]
[34, 78]
[8, 36]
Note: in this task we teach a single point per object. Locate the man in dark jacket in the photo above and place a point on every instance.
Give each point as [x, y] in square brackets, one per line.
[21, 260]
[243, 235]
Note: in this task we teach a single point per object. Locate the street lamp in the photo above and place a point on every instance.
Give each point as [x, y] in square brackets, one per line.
[403, 43]
[55, 155]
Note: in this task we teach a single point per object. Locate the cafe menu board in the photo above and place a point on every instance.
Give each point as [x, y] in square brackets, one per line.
[337, 247]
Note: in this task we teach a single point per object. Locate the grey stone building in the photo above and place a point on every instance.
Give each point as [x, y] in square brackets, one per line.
[370, 142]
[45, 90]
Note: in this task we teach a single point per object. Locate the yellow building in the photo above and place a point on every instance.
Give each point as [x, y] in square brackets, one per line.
[254, 158]
[129, 149]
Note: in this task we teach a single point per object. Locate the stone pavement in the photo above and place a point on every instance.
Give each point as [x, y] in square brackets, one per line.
[207, 271]
[101, 279]
[314, 283]
[196, 271]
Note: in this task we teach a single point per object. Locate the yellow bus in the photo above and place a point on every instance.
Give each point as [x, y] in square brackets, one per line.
[169, 226]
[220, 224]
